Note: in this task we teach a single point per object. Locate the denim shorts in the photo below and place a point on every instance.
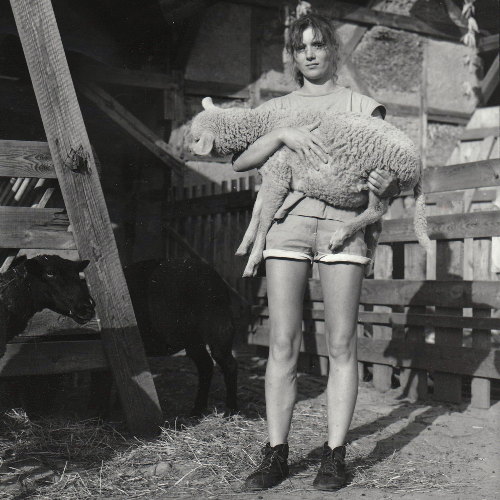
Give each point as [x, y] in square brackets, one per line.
[306, 238]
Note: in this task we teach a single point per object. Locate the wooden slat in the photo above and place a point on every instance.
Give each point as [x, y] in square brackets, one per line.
[475, 134]
[42, 358]
[490, 80]
[403, 319]
[84, 200]
[26, 159]
[488, 43]
[444, 227]
[209, 205]
[480, 294]
[474, 174]
[430, 357]
[120, 115]
[25, 227]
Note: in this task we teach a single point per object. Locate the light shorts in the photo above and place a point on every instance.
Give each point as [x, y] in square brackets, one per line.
[306, 238]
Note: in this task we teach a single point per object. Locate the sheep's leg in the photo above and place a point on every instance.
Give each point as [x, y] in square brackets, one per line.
[273, 194]
[372, 234]
[223, 356]
[377, 207]
[251, 231]
[205, 367]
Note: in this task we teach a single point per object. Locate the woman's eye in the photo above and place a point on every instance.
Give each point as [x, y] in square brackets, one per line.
[300, 48]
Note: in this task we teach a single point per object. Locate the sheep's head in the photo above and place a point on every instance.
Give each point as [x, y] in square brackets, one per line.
[204, 128]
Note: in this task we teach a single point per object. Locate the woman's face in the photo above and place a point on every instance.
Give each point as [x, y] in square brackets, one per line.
[312, 58]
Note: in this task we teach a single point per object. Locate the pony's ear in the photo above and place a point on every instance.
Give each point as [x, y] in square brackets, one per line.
[207, 103]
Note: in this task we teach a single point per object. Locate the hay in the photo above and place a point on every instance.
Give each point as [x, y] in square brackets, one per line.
[210, 458]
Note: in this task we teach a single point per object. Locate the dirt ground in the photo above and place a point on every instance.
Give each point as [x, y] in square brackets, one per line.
[397, 449]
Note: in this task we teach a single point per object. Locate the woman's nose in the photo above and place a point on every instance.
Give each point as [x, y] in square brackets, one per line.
[310, 54]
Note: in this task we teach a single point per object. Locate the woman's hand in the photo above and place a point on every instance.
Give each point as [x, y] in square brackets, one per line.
[304, 142]
[383, 184]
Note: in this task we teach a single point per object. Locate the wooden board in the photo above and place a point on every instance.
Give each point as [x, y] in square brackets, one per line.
[26, 159]
[480, 294]
[84, 201]
[42, 358]
[456, 360]
[444, 227]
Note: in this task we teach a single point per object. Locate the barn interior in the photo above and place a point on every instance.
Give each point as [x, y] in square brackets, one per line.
[140, 69]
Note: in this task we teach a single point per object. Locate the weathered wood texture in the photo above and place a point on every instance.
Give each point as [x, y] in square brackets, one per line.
[87, 211]
[26, 159]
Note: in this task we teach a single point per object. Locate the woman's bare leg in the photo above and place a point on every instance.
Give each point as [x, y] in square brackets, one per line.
[341, 284]
[286, 281]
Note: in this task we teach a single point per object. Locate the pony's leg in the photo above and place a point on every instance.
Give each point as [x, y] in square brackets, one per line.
[251, 231]
[272, 199]
[377, 207]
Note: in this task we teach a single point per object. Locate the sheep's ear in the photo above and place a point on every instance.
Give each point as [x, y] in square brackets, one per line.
[205, 145]
[207, 103]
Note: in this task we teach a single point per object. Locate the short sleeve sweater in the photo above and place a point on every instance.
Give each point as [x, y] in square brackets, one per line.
[340, 100]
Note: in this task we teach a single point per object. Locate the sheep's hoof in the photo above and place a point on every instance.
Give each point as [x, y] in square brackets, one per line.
[242, 250]
[337, 239]
[251, 270]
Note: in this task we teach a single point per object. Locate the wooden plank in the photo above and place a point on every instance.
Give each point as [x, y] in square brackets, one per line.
[43, 358]
[361, 15]
[411, 318]
[210, 205]
[475, 134]
[474, 174]
[26, 159]
[483, 195]
[25, 227]
[430, 357]
[449, 266]
[87, 211]
[490, 80]
[119, 114]
[481, 338]
[487, 43]
[444, 227]
[480, 294]
[382, 374]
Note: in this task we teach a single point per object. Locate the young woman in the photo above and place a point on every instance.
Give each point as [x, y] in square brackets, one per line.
[299, 236]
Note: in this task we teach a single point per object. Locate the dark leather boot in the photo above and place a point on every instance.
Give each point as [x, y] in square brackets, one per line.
[272, 470]
[332, 474]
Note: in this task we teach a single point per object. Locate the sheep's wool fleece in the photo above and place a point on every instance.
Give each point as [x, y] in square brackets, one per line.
[341, 100]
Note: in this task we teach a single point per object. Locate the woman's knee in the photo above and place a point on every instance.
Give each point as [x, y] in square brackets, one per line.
[341, 345]
[283, 347]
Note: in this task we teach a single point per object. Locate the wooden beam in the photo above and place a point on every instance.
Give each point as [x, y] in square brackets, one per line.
[44, 358]
[177, 11]
[361, 15]
[417, 355]
[475, 134]
[84, 201]
[490, 82]
[121, 116]
[26, 159]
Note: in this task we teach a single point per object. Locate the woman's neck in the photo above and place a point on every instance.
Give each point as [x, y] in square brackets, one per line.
[317, 87]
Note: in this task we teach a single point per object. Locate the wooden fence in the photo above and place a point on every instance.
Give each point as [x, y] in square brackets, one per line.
[429, 318]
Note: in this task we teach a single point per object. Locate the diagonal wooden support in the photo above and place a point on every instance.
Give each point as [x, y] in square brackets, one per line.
[77, 174]
[120, 115]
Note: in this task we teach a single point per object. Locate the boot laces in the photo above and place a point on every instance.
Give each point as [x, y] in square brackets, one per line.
[332, 464]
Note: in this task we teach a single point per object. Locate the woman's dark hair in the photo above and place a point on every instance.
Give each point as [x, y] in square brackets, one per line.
[323, 30]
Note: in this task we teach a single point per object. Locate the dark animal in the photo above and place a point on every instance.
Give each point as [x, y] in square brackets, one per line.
[43, 282]
[184, 304]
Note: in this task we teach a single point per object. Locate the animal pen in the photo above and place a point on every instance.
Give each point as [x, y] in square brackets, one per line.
[420, 314]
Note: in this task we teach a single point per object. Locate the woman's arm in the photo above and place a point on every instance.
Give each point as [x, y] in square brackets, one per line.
[300, 139]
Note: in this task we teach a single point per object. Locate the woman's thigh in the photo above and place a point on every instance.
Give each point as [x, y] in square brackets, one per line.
[341, 285]
[286, 282]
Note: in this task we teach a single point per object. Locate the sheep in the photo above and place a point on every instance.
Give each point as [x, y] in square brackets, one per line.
[44, 281]
[357, 145]
[182, 304]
